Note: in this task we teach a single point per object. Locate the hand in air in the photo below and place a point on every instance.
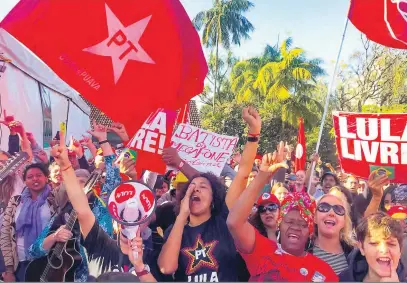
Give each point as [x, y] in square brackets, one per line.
[252, 119]
[99, 131]
[136, 245]
[376, 183]
[119, 130]
[171, 157]
[271, 162]
[60, 153]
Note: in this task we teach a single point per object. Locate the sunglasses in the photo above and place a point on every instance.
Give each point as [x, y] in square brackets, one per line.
[270, 207]
[326, 207]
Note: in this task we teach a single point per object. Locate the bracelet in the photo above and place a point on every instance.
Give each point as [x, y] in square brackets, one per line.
[252, 139]
[253, 135]
[69, 167]
[102, 142]
[181, 164]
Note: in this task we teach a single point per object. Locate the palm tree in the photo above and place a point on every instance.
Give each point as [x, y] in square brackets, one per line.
[283, 75]
[223, 24]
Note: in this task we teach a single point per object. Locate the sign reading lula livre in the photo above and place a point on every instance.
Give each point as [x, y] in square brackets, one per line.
[203, 150]
[372, 142]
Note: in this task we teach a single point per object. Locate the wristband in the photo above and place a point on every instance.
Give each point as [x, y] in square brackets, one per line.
[102, 142]
[253, 135]
[252, 139]
[70, 166]
[181, 164]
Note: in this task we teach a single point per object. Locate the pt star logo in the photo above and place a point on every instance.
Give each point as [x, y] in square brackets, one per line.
[200, 255]
[122, 43]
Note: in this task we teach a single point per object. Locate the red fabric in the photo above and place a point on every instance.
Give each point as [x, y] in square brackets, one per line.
[183, 115]
[301, 149]
[267, 198]
[381, 21]
[369, 142]
[267, 264]
[126, 57]
[151, 139]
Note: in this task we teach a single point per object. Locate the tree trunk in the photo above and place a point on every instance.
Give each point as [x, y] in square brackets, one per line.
[216, 72]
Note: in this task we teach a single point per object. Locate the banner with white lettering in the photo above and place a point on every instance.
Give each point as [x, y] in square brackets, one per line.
[372, 142]
[203, 150]
[149, 141]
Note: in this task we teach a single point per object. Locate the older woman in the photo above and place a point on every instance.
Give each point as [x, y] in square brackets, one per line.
[285, 261]
[25, 217]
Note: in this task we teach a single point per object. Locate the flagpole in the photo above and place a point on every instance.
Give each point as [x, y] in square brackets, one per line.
[328, 96]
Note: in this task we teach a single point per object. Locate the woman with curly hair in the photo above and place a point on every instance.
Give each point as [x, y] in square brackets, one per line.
[199, 246]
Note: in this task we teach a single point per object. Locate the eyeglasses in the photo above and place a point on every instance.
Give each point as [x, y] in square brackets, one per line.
[270, 207]
[326, 207]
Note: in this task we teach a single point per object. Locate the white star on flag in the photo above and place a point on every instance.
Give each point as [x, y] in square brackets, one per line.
[122, 43]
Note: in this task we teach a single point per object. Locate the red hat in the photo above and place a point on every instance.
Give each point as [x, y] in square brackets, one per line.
[398, 212]
[267, 198]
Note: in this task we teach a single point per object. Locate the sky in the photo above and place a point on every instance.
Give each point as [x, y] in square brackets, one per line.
[315, 25]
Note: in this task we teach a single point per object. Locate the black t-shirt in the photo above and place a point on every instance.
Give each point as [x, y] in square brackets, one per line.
[99, 245]
[208, 253]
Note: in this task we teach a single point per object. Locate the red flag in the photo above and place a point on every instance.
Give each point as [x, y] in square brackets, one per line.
[126, 57]
[151, 139]
[183, 115]
[300, 151]
[382, 21]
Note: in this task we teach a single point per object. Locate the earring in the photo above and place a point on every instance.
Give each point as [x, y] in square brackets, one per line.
[213, 206]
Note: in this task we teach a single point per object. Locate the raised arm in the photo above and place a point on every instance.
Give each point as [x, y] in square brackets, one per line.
[375, 184]
[76, 195]
[242, 231]
[253, 120]
[168, 259]
[172, 159]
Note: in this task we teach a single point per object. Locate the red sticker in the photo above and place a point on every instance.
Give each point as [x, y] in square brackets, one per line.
[124, 192]
[113, 210]
[147, 199]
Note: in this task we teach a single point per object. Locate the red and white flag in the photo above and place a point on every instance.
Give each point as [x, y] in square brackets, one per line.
[382, 21]
[300, 150]
[126, 57]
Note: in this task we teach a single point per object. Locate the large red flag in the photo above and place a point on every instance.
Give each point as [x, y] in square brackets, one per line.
[383, 21]
[300, 151]
[126, 57]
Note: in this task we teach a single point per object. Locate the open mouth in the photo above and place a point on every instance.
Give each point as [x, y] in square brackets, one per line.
[330, 223]
[269, 218]
[36, 184]
[293, 237]
[384, 261]
[195, 198]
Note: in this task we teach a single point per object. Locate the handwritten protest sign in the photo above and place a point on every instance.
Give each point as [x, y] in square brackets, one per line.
[151, 139]
[203, 150]
[372, 142]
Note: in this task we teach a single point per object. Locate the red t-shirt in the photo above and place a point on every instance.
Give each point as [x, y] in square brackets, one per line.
[269, 263]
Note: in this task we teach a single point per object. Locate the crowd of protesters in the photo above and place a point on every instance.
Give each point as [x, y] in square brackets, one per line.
[259, 221]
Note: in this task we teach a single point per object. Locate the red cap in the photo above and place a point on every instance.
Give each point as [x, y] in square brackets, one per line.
[267, 198]
[398, 212]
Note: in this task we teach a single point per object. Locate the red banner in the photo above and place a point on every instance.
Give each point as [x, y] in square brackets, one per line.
[301, 149]
[126, 57]
[372, 142]
[151, 139]
[383, 21]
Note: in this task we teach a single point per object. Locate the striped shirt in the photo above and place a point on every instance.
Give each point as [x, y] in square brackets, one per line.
[338, 262]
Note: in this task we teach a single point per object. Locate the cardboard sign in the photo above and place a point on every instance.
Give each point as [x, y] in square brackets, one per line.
[372, 143]
[151, 139]
[203, 150]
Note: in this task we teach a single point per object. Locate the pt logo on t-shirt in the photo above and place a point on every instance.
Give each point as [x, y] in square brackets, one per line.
[200, 255]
